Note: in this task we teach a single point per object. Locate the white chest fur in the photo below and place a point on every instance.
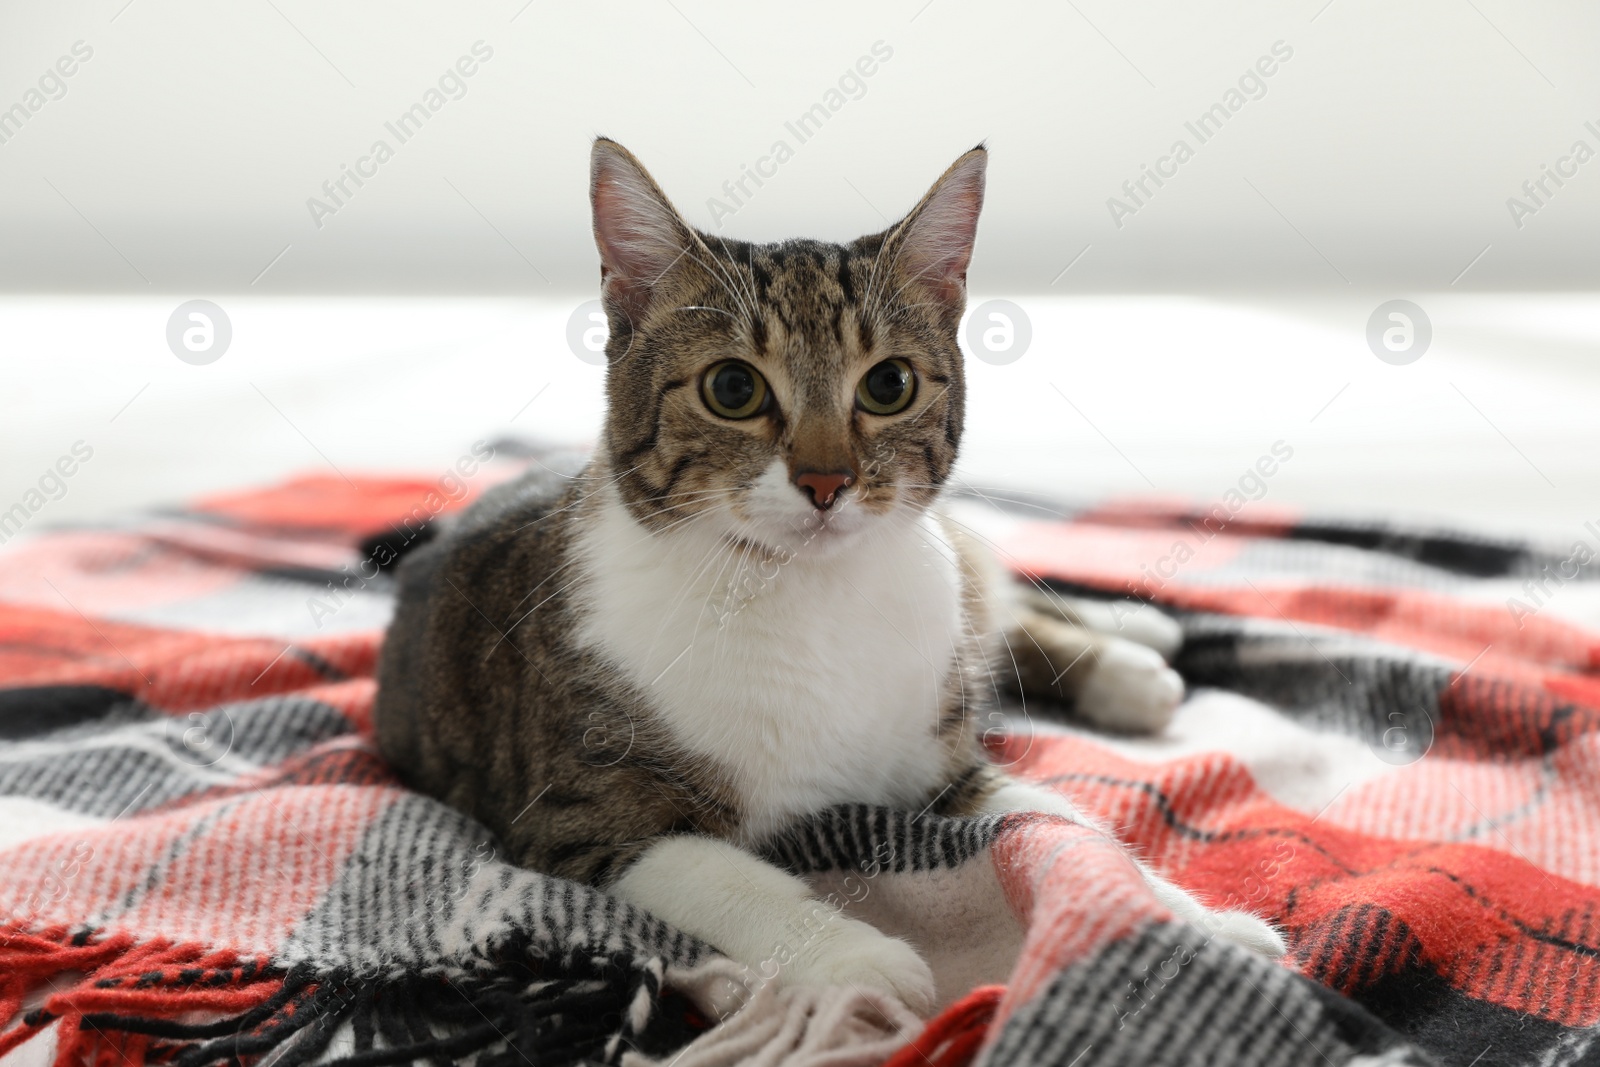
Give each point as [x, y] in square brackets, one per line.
[814, 682]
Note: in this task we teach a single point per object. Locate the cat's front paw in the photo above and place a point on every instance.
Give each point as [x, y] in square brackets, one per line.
[1131, 688]
[1249, 931]
[855, 953]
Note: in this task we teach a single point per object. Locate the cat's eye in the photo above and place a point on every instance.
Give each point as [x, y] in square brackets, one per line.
[887, 387]
[734, 390]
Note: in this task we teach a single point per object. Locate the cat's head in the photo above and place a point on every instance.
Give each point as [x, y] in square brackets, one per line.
[781, 393]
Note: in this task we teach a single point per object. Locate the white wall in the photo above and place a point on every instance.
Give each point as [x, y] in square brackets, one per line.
[183, 153]
[1132, 395]
[180, 159]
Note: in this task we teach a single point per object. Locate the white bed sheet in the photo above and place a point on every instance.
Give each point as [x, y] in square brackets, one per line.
[1495, 426]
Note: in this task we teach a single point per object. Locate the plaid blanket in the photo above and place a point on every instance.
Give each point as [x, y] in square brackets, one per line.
[1390, 750]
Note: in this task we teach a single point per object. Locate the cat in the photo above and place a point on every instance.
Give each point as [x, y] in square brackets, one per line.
[747, 606]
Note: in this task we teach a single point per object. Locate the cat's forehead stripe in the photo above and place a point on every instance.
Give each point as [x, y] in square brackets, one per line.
[809, 287]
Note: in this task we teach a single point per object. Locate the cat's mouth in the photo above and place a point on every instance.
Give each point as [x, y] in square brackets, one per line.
[816, 533]
[773, 519]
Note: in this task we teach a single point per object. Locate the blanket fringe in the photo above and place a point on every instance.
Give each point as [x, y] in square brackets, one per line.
[115, 974]
[954, 1038]
[112, 999]
[796, 1026]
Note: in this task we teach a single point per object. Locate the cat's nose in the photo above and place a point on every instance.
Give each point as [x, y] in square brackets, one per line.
[823, 486]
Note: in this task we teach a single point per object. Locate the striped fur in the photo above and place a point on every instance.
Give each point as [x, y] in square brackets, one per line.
[491, 695]
[651, 708]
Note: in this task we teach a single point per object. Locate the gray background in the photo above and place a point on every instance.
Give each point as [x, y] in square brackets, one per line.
[1168, 355]
[1382, 154]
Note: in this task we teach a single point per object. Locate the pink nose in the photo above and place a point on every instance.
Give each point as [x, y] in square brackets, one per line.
[823, 487]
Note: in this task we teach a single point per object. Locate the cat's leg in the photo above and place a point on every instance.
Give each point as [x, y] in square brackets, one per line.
[769, 920]
[1113, 682]
[1240, 927]
[1140, 623]
[1069, 650]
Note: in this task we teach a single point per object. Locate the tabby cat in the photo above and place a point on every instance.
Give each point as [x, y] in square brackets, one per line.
[747, 606]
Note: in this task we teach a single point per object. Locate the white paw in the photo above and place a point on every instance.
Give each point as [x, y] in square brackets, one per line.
[1131, 688]
[1247, 930]
[849, 952]
[1137, 621]
[1154, 629]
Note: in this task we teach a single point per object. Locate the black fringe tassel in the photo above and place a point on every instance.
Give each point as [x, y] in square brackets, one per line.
[510, 1014]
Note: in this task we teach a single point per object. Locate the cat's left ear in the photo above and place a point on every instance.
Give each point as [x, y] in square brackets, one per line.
[640, 234]
[935, 239]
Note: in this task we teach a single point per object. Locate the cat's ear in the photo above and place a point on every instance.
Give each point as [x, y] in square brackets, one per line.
[640, 235]
[934, 242]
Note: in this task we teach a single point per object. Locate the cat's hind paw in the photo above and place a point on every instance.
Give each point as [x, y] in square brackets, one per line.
[1152, 628]
[1130, 689]
[857, 954]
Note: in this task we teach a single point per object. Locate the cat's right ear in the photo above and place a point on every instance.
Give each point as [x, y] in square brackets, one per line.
[640, 235]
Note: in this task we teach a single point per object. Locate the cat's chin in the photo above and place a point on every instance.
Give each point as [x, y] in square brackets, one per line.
[817, 536]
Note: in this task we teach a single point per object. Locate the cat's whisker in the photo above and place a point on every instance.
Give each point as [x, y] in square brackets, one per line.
[914, 279]
[868, 307]
[558, 570]
[880, 534]
[716, 543]
[990, 598]
[704, 307]
[901, 310]
[688, 582]
[996, 548]
[894, 265]
[727, 284]
[549, 514]
[1057, 601]
[633, 329]
[750, 262]
[540, 584]
[676, 512]
[981, 492]
[687, 493]
[711, 589]
[929, 406]
[551, 470]
[675, 524]
[715, 267]
[683, 591]
[581, 497]
[743, 282]
[506, 635]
